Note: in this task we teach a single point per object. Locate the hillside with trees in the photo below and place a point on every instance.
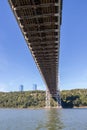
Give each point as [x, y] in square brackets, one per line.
[74, 98]
[36, 99]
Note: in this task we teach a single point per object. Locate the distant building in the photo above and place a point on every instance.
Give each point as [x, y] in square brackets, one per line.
[21, 87]
[35, 87]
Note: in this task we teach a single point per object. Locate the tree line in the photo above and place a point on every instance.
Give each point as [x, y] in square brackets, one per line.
[36, 99]
[74, 98]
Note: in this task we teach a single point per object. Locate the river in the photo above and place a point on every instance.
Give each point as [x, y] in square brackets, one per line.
[43, 119]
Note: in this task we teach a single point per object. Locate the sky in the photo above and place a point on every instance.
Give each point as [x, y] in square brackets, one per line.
[16, 62]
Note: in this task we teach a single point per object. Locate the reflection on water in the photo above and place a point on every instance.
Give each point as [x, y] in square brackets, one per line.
[43, 119]
[52, 120]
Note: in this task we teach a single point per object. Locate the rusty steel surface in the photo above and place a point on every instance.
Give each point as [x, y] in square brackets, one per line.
[40, 21]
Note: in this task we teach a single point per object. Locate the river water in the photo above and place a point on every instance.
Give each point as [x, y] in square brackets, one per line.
[43, 119]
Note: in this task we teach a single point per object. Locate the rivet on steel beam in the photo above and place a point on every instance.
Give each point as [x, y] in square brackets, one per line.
[21, 25]
[56, 4]
[56, 14]
[26, 38]
[18, 18]
[24, 33]
[14, 9]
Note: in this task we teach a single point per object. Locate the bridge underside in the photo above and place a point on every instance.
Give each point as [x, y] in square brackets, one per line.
[40, 22]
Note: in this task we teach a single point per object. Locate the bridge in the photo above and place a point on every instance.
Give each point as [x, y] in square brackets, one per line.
[40, 21]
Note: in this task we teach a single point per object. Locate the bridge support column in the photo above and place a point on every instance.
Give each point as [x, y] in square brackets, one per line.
[53, 100]
[48, 96]
[57, 98]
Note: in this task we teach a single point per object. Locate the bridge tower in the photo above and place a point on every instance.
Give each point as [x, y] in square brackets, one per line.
[48, 96]
[56, 97]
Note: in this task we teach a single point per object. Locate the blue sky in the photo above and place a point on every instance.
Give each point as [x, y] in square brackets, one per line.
[16, 63]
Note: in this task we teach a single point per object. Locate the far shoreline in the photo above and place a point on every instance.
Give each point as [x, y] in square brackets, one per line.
[33, 108]
[80, 107]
